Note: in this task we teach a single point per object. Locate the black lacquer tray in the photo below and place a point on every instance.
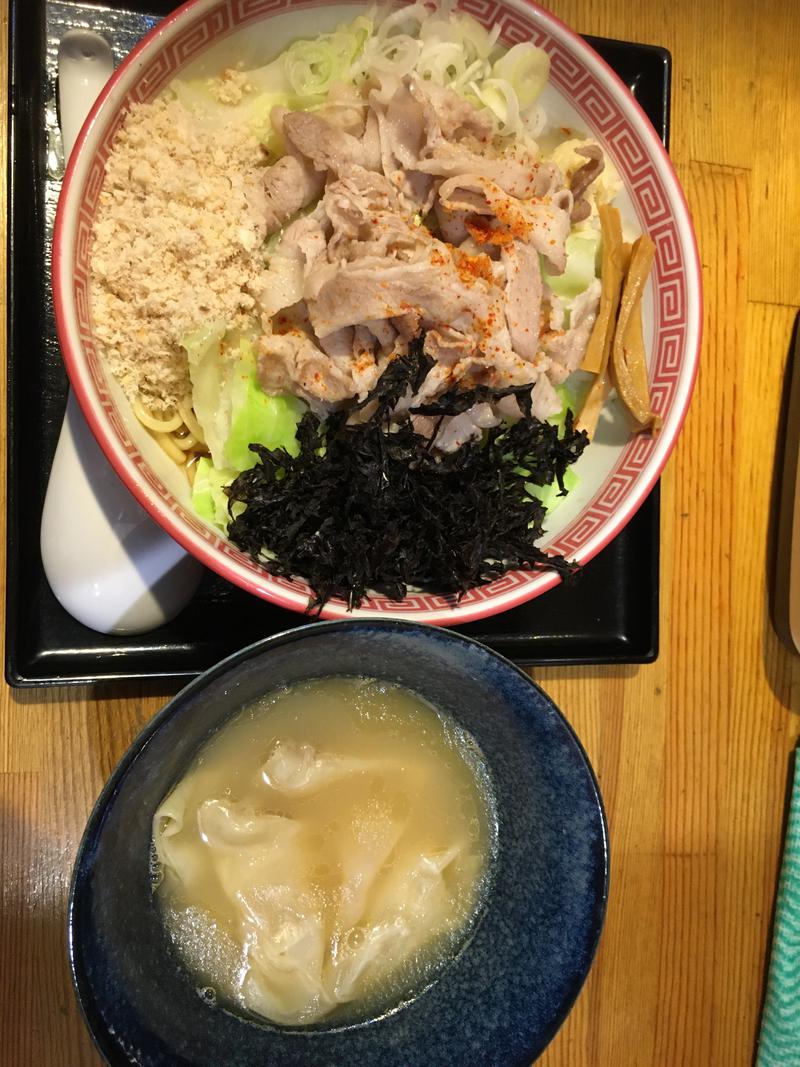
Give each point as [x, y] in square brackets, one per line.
[610, 615]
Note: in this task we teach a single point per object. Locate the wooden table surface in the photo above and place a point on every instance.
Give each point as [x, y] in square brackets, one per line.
[692, 752]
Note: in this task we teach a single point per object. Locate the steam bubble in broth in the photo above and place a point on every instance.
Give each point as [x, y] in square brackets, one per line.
[326, 853]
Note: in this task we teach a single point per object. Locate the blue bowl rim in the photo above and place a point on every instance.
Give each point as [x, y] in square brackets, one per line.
[103, 1041]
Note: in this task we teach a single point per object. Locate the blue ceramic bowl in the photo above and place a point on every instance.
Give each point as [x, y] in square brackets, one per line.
[498, 1002]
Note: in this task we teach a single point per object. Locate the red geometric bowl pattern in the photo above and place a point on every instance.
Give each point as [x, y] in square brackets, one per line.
[581, 76]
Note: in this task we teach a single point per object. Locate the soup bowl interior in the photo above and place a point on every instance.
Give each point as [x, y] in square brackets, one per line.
[615, 473]
[508, 988]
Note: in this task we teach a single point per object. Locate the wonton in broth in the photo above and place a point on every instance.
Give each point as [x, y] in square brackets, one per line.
[329, 847]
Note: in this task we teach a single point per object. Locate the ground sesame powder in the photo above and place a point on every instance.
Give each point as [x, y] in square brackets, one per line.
[177, 244]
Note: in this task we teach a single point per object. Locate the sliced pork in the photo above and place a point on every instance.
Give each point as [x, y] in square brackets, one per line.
[448, 346]
[543, 223]
[523, 297]
[456, 430]
[449, 115]
[401, 123]
[583, 178]
[291, 362]
[328, 147]
[516, 176]
[289, 185]
[566, 348]
[366, 218]
[367, 271]
[545, 401]
[307, 238]
[433, 286]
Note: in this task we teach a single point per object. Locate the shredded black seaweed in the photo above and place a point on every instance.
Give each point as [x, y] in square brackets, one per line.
[370, 506]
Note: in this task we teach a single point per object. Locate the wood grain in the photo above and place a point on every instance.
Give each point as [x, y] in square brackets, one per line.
[691, 752]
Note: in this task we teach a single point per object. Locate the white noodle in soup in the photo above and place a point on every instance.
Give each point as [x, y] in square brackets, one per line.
[326, 852]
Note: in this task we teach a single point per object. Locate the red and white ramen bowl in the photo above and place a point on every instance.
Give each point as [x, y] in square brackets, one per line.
[616, 472]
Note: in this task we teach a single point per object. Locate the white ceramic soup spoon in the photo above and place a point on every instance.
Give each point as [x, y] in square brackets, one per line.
[108, 564]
